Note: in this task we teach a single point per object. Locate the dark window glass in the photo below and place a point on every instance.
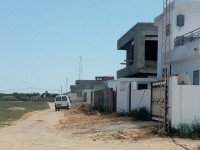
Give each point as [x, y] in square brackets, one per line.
[58, 98]
[142, 86]
[64, 98]
[196, 77]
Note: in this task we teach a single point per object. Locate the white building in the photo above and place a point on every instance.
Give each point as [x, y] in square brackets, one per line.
[131, 93]
[184, 54]
[74, 97]
[88, 96]
[183, 102]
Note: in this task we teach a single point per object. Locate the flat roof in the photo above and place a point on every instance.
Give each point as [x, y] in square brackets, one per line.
[129, 35]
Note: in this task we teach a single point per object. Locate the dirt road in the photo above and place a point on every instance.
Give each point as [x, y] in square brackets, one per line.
[50, 130]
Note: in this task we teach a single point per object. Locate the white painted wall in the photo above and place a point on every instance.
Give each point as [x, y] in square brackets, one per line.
[111, 84]
[187, 66]
[191, 10]
[136, 95]
[185, 59]
[141, 98]
[122, 96]
[184, 102]
[88, 95]
[73, 97]
[185, 52]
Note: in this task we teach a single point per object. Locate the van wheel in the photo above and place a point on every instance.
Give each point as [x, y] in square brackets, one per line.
[58, 109]
[55, 109]
[67, 106]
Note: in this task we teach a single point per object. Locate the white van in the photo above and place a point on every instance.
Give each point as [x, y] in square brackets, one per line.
[62, 102]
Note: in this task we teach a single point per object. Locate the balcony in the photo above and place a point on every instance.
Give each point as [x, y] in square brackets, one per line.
[187, 38]
[188, 50]
[186, 47]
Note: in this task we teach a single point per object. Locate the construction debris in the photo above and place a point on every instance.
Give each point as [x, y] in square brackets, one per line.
[85, 107]
[100, 126]
[88, 109]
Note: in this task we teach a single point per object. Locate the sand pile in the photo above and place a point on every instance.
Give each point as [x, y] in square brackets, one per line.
[86, 107]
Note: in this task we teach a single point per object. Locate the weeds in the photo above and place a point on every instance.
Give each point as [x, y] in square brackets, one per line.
[141, 113]
[8, 114]
[188, 131]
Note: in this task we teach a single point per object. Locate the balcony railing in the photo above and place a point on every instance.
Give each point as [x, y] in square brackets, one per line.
[187, 38]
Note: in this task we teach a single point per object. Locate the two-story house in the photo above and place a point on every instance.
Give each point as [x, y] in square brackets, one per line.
[134, 81]
[178, 54]
[184, 32]
[140, 44]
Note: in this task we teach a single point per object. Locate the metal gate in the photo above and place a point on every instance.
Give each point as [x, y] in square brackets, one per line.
[159, 103]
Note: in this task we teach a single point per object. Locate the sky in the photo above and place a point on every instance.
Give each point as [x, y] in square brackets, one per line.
[41, 41]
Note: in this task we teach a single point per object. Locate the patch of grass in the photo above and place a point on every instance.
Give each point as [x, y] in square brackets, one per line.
[141, 113]
[28, 99]
[7, 113]
[123, 114]
[188, 131]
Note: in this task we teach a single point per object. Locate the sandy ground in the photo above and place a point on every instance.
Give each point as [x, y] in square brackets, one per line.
[74, 130]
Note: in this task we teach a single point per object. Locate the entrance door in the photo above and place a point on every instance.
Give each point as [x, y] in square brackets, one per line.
[158, 90]
[129, 98]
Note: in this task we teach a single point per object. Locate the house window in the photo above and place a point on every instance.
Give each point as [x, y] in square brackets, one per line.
[142, 86]
[151, 50]
[196, 77]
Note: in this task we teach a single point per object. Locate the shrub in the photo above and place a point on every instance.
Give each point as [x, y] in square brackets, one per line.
[141, 113]
[188, 131]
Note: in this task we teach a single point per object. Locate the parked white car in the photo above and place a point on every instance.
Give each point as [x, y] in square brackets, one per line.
[62, 102]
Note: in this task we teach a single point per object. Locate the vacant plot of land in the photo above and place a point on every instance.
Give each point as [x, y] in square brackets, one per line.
[104, 127]
[10, 111]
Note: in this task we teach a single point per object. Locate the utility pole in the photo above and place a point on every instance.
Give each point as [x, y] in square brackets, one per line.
[80, 69]
[66, 86]
[166, 32]
[31, 93]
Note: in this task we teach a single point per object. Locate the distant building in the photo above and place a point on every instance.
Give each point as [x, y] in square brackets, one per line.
[96, 84]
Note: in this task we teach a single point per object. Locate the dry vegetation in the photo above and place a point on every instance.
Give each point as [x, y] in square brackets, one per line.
[12, 110]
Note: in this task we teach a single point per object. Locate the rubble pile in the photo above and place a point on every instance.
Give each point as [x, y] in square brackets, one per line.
[131, 134]
[85, 107]
[88, 109]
